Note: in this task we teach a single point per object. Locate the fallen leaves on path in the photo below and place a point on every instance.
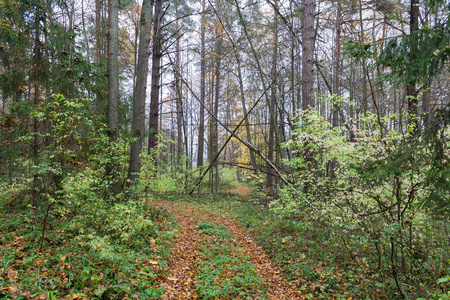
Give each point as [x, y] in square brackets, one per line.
[241, 190]
[180, 284]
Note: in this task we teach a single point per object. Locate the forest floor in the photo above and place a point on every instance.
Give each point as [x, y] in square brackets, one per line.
[227, 245]
[268, 257]
[198, 268]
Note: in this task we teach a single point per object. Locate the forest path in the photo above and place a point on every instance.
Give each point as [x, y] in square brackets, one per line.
[241, 190]
[181, 283]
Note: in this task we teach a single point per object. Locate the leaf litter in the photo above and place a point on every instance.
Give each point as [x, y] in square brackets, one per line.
[182, 282]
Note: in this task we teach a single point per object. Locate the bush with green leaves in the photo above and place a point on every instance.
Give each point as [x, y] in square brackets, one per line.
[158, 178]
[381, 192]
[119, 242]
[122, 257]
[73, 147]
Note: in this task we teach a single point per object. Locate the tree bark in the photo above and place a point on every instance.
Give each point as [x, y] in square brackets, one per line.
[215, 132]
[337, 65]
[37, 64]
[178, 88]
[156, 75]
[411, 91]
[113, 68]
[201, 130]
[101, 88]
[308, 32]
[308, 23]
[98, 43]
[138, 121]
[273, 99]
[113, 86]
[363, 66]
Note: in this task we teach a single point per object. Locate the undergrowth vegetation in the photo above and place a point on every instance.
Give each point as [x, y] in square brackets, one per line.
[224, 270]
[380, 197]
[112, 253]
[69, 235]
[325, 261]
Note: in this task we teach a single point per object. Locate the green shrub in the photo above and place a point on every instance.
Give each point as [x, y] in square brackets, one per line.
[380, 199]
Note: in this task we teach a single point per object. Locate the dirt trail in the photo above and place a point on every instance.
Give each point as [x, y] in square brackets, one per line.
[180, 284]
[241, 190]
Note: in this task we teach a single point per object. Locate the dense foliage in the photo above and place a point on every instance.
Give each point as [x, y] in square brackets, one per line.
[383, 195]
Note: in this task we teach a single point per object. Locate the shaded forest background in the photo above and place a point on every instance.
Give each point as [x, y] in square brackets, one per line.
[335, 113]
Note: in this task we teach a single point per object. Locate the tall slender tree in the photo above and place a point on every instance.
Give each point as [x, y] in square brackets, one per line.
[214, 137]
[273, 98]
[113, 86]
[411, 91]
[37, 63]
[138, 121]
[156, 76]
[201, 130]
[178, 90]
[337, 64]
[308, 34]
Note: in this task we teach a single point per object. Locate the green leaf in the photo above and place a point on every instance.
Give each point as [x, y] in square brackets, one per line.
[443, 280]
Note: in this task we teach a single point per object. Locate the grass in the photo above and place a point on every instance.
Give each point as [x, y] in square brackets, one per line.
[225, 271]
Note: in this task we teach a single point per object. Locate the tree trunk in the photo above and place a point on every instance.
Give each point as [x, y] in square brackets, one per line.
[308, 53]
[363, 67]
[98, 33]
[113, 86]
[210, 133]
[337, 66]
[411, 91]
[100, 89]
[201, 130]
[308, 31]
[113, 69]
[83, 23]
[294, 77]
[37, 64]
[156, 75]
[215, 132]
[138, 121]
[178, 88]
[244, 110]
[273, 98]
